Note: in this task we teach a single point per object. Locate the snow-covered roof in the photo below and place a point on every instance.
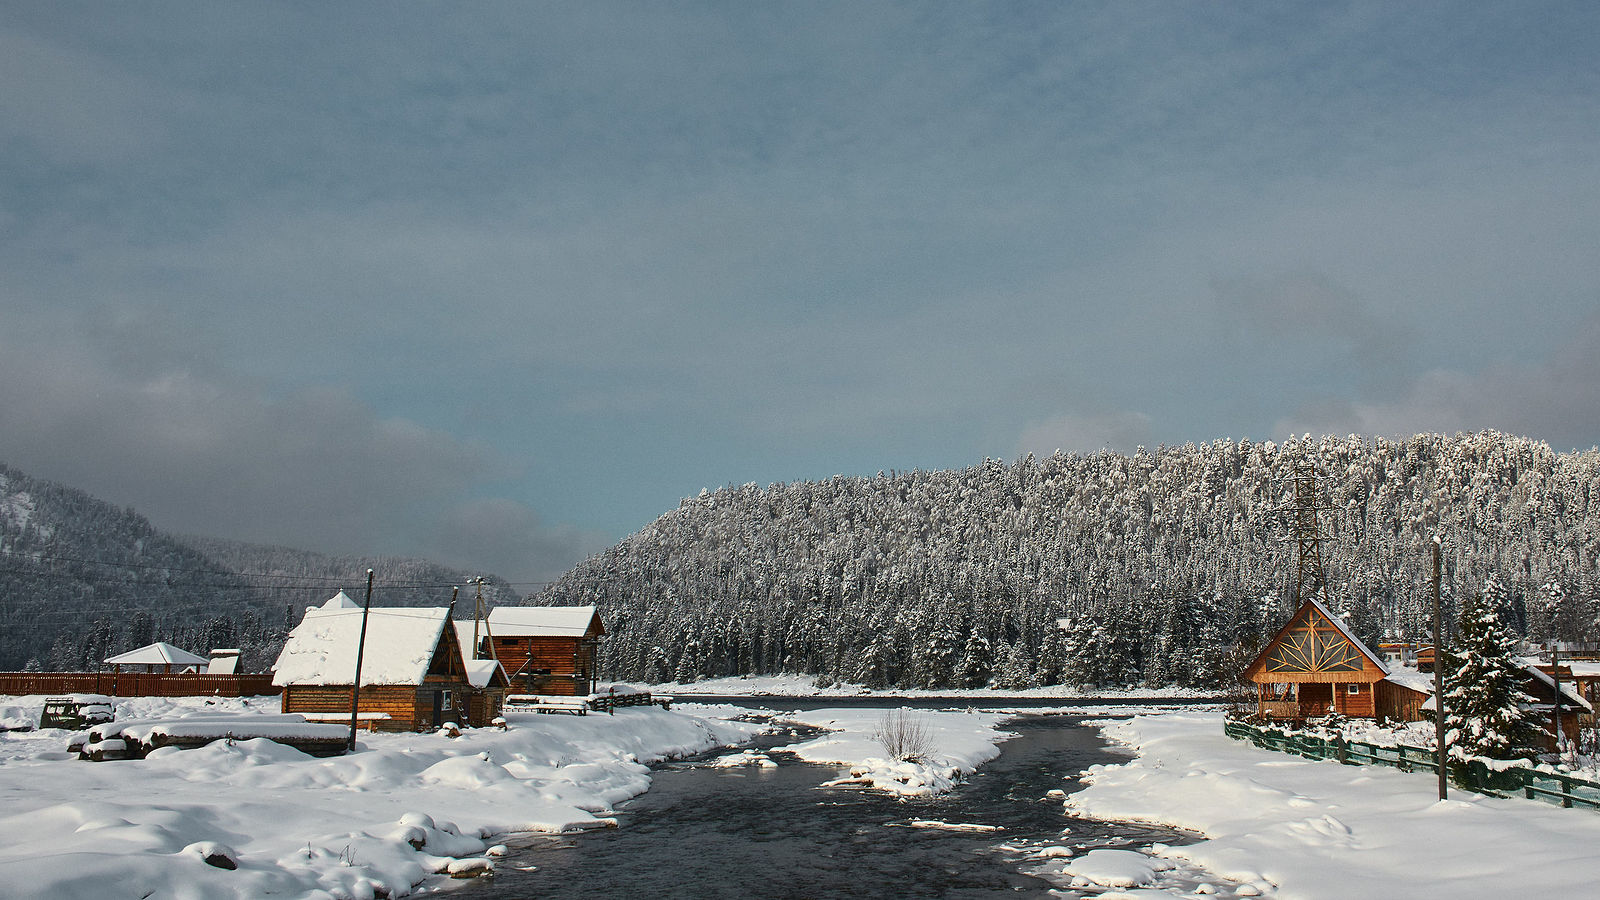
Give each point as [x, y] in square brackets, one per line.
[1411, 679]
[223, 665]
[1569, 693]
[340, 600]
[480, 671]
[322, 648]
[160, 653]
[1422, 683]
[542, 621]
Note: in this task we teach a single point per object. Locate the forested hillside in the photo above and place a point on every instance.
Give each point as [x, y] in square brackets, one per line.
[1164, 567]
[81, 579]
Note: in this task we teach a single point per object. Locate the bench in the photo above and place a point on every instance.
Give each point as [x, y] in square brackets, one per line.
[541, 703]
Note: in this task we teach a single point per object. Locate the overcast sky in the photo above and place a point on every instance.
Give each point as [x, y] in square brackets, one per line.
[499, 284]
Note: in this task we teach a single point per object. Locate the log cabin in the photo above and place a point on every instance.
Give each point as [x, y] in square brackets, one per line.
[1315, 665]
[549, 650]
[413, 674]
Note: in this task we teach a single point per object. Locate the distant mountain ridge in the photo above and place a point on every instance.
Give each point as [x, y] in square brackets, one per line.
[82, 579]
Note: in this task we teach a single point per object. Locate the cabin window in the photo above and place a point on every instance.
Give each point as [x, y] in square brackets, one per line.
[1352, 689]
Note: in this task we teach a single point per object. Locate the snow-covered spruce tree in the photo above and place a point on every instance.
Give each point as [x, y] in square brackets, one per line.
[1487, 711]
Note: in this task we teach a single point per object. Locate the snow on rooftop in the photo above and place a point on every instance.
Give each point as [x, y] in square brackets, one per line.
[322, 648]
[340, 600]
[480, 671]
[541, 621]
[158, 654]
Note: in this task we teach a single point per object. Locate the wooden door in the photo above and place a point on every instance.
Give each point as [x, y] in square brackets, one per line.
[1315, 699]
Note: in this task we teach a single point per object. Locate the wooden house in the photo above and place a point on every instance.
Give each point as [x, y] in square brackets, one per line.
[544, 649]
[1314, 665]
[413, 674]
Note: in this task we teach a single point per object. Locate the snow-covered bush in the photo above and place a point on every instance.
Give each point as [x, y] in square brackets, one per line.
[904, 737]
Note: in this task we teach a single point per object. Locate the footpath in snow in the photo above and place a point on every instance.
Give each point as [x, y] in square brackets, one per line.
[1323, 831]
[381, 821]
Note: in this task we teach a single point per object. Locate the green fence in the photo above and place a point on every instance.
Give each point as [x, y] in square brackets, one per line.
[1475, 776]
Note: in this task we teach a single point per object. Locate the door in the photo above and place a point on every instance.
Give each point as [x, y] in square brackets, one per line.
[1316, 699]
[438, 708]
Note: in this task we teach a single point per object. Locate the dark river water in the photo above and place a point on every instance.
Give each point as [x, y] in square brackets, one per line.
[704, 832]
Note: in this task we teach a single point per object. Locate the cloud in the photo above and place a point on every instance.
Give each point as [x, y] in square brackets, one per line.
[1122, 431]
[509, 537]
[200, 451]
[1306, 310]
[1556, 400]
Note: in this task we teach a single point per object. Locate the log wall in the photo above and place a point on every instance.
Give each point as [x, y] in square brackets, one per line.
[570, 663]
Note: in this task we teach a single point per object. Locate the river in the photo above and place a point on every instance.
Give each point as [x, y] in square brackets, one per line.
[703, 831]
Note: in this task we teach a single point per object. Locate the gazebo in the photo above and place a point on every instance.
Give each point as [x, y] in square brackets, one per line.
[158, 657]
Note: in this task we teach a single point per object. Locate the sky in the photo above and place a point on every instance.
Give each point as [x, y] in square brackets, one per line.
[499, 284]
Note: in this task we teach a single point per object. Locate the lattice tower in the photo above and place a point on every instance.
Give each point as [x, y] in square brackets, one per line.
[1307, 536]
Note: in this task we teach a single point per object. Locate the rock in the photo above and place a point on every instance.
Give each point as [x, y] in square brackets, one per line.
[214, 854]
[475, 867]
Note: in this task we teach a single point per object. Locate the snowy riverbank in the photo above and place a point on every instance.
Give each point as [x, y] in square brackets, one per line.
[382, 820]
[1322, 831]
[806, 686]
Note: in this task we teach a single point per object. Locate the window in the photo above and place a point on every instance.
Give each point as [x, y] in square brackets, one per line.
[1352, 688]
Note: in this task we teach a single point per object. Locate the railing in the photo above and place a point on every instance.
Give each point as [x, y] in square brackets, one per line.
[606, 703]
[1473, 776]
[610, 703]
[135, 684]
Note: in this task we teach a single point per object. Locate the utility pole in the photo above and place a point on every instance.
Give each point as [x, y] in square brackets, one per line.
[480, 614]
[1438, 674]
[361, 648]
[1555, 675]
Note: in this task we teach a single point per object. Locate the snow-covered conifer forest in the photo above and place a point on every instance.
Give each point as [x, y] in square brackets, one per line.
[1166, 567]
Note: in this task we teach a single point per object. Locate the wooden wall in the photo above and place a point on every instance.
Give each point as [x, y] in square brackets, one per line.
[570, 662]
[1358, 705]
[399, 701]
[136, 684]
[1397, 704]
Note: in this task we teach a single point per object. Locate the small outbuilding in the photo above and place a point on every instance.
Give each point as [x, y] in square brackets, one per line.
[158, 657]
[544, 649]
[413, 674]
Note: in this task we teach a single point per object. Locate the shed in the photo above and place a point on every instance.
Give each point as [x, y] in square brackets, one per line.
[413, 675]
[224, 661]
[544, 649]
[158, 657]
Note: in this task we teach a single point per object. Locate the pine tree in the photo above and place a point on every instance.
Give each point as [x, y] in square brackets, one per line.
[1487, 711]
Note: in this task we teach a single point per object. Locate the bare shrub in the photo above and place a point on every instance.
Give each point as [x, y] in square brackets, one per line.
[904, 737]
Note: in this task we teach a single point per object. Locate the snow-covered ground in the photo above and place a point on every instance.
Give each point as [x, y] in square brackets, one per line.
[379, 821]
[957, 743]
[1321, 831]
[806, 686]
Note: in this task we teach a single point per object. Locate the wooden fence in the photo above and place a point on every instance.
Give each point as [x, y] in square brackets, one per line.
[135, 684]
[1550, 787]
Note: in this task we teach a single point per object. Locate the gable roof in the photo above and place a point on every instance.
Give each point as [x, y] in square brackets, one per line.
[482, 673]
[545, 621]
[160, 653]
[1308, 608]
[322, 648]
[340, 600]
